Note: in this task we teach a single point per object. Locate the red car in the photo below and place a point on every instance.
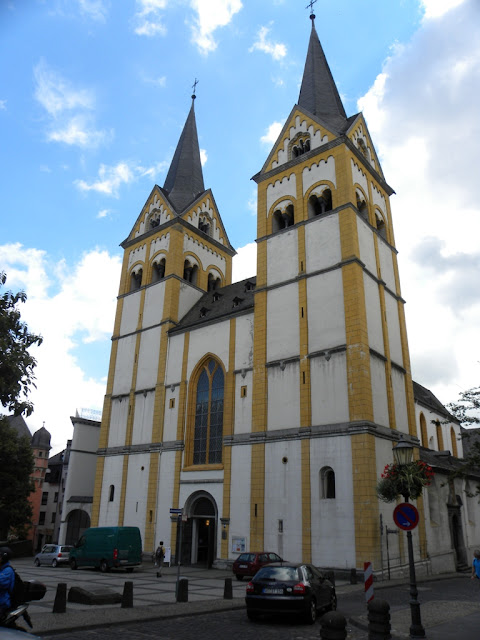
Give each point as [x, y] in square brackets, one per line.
[247, 564]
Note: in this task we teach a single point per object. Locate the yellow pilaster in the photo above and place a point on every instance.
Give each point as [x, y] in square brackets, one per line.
[228, 427]
[123, 492]
[257, 497]
[97, 491]
[366, 513]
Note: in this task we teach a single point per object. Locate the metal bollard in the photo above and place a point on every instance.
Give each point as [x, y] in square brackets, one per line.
[60, 603]
[379, 620]
[353, 576]
[227, 590]
[333, 626]
[127, 596]
[182, 590]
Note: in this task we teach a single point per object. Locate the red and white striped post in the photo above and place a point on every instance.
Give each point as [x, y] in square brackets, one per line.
[368, 577]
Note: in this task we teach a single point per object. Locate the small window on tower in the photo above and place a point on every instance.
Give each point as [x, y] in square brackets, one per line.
[243, 392]
[172, 403]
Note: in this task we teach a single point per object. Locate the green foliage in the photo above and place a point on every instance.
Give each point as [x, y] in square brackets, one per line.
[467, 411]
[16, 466]
[16, 363]
[406, 480]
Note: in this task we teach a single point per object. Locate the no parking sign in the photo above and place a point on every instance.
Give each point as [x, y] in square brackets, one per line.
[405, 516]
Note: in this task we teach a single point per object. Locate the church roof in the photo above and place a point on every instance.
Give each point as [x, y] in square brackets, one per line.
[218, 305]
[424, 396]
[41, 439]
[20, 426]
[184, 181]
[318, 92]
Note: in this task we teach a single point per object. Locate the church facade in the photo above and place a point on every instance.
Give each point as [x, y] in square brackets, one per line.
[265, 409]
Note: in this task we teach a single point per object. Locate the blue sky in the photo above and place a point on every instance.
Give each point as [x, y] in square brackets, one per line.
[92, 102]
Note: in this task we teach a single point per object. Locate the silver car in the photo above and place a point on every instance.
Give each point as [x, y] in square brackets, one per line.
[53, 554]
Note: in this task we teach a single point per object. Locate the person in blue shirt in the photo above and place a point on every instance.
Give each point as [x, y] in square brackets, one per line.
[7, 580]
[476, 564]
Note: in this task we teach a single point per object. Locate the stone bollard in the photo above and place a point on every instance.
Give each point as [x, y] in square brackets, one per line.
[127, 596]
[379, 620]
[60, 603]
[333, 626]
[182, 590]
[353, 576]
[227, 590]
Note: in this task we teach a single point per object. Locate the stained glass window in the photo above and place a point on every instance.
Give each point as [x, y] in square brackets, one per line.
[208, 429]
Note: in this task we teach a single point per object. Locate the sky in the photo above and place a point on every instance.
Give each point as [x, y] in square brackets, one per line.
[94, 95]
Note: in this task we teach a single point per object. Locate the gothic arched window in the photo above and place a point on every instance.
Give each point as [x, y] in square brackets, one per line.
[423, 430]
[208, 417]
[327, 483]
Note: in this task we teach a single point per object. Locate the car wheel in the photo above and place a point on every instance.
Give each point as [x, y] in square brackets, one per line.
[73, 564]
[311, 614]
[103, 566]
[238, 577]
[36, 562]
[252, 615]
[54, 562]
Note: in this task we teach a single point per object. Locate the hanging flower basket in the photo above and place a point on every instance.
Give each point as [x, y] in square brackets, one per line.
[406, 480]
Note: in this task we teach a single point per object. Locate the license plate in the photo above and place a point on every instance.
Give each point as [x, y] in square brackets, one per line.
[243, 566]
[277, 592]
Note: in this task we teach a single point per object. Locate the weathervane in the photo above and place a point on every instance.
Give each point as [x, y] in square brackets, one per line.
[194, 87]
[310, 4]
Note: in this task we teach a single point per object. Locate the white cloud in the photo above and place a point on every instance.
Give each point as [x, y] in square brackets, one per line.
[78, 132]
[275, 49]
[149, 18]
[94, 9]
[211, 14]
[436, 8]
[272, 133]
[244, 264]
[109, 179]
[422, 114]
[203, 156]
[69, 306]
[3, 105]
[103, 213]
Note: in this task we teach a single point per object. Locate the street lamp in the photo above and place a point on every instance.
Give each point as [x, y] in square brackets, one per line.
[403, 454]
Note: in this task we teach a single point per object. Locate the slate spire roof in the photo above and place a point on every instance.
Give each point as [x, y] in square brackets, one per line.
[184, 181]
[318, 93]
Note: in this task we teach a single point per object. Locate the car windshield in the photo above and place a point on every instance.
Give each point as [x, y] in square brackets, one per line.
[246, 557]
[277, 573]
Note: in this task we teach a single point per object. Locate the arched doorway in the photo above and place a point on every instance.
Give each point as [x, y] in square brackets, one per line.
[456, 531]
[77, 522]
[199, 531]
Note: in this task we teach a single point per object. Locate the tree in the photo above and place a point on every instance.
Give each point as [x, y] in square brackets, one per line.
[16, 363]
[467, 411]
[16, 466]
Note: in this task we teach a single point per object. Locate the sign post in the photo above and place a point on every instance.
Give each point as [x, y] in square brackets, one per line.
[178, 513]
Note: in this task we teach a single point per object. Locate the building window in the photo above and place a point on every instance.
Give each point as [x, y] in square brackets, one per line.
[327, 483]
[319, 204]
[423, 430]
[454, 442]
[190, 272]
[439, 436]
[243, 392]
[172, 403]
[283, 219]
[54, 515]
[208, 415]
[111, 493]
[136, 280]
[44, 497]
[41, 517]
[55, 497]
[158, 270]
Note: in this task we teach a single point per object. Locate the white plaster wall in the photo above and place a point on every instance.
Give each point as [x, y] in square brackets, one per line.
[400, 400]
[137, 254]
[188, 297]
[136, 492]
[326, 311]
[317, 172]
[374, 317]
[131, 306]
[82, 463]
[112, 474]
[359, 177]
[282, 257]
[333, 526]
[240, 495]
[317, 138]
[210, 339]
[244, 341]
[379, 391]
[280, 189]
[159, 244]
[153, 305]
[147, 370]
[205, 254]
[207, 207]
[283, 499]
[386, 265]
[393, 323]
[143, 418]
[366, 245]
[173, 372]
[170, 419]
[329, 389]
[283, 336]
[322, 243]
[379, 200]
[118, 422]
[243, 406]
[281, 385]
[124, 365]
[166, 481]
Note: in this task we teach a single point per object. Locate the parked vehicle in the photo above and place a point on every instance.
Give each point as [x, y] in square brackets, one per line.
[9, 625]
[290, 588]
[247, 564]
[108, 547]
[53, 554]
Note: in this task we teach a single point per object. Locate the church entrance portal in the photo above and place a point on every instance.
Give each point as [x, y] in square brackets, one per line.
[198, 536]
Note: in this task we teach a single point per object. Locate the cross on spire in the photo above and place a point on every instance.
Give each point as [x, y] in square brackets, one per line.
[310, 5]
[194, 87]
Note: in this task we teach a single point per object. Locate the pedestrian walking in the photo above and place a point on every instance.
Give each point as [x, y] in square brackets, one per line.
[476, 565]
[160, 557]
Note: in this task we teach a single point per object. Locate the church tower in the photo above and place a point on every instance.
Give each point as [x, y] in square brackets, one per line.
[329, 330]
[176, 251]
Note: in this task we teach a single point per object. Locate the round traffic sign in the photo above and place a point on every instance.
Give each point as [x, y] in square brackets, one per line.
[405, 516]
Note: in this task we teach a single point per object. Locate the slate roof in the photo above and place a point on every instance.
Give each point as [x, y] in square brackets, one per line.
[184, 181]
[223, 303]
[425, 396]
[18, 423]
[318, 92]
[41, 439]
